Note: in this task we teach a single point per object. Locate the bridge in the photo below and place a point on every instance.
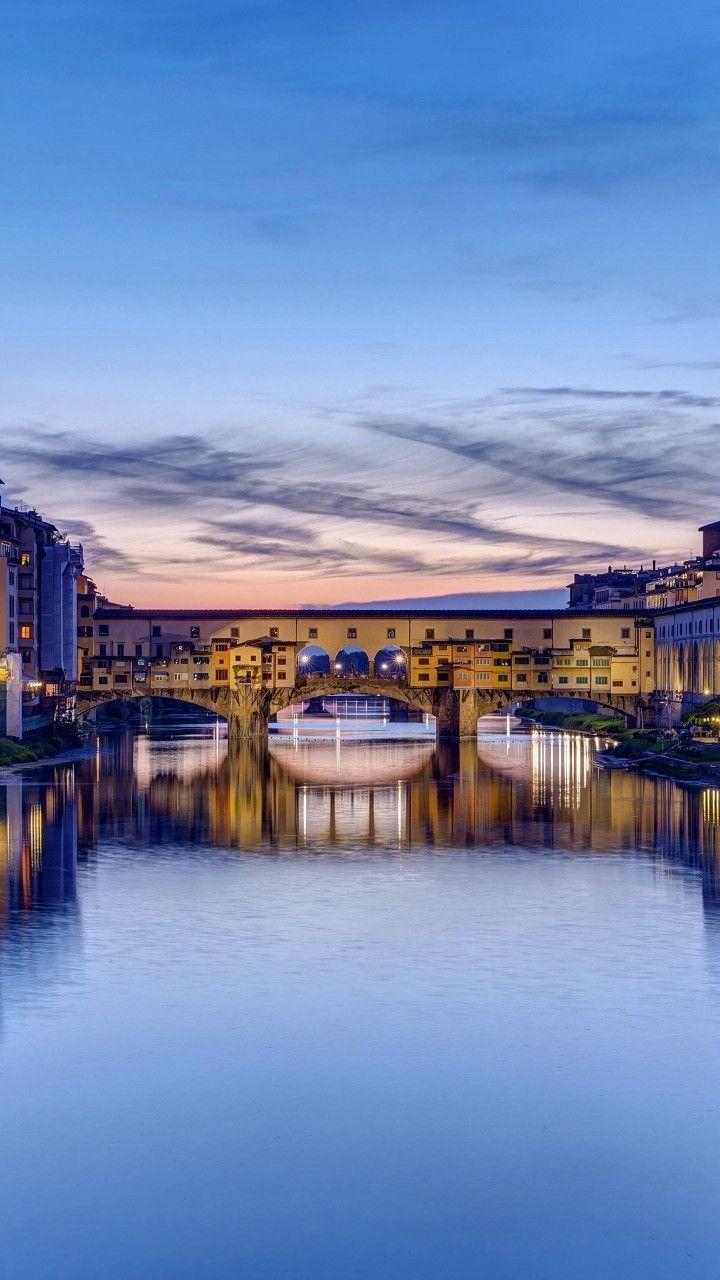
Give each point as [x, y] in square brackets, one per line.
[247, 665]
[248, 711]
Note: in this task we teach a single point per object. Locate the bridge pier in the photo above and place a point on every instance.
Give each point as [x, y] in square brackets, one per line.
[247, 715]
[457, 713]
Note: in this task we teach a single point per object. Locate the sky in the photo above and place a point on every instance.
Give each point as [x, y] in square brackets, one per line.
[310, 303]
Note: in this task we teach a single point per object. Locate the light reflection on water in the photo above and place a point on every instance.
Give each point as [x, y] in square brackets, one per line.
[358, 1009]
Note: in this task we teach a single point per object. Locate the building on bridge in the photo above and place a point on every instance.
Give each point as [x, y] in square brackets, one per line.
[416, 657]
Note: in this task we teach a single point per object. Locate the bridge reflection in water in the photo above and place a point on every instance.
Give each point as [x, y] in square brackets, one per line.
[533, 791]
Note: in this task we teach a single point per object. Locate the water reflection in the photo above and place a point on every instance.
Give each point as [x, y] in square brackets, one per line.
[527, 791]
[390, 1009]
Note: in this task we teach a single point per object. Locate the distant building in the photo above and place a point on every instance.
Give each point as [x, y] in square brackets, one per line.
[613, 589]
[39, 570]
[637, 590]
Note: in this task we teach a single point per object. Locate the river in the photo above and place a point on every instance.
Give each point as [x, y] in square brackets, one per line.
[333, 1010]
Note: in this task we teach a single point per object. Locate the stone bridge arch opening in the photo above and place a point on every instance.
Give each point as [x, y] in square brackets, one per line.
[351, 661]
[313, 660]
[625, 707]
[390, 663]
[138, 708]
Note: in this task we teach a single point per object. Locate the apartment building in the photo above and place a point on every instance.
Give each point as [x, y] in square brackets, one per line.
[39, 571]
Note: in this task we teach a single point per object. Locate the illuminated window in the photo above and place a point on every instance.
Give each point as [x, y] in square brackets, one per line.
[26, 631]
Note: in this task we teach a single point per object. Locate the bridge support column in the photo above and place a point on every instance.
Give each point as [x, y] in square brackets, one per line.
[457, 714]
[246, 716]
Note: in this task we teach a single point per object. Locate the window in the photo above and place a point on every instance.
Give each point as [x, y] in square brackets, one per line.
[443, 675]
[581, 680]
[27, 655]
[26, 607]
[423, 676]
[194, 633]
[522, 662]
[601, 679]
[102, 679]
[201, 675]
[390, 633]
[542, 677]
[235, 632]
[138, 651]
[25, 558]
[617, 684]
[156, 631]
[423, 662]
[121, 650]
[508, 633]
[274, 632]
[85, 611]
[312, 633]
[469, 633]
[547, 633]
[429, 633]
[503, 679]
[625, 633]
[103, 629]
[103, 650]
[352, 633]
[221, 675]
[521, 679]
[586, 633]
[121, 679]
[563, 679]
[158, 651]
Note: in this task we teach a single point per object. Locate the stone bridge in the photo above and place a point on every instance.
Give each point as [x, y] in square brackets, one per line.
[248, 710]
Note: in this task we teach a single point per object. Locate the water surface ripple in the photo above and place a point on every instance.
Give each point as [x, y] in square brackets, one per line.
[320, 1010]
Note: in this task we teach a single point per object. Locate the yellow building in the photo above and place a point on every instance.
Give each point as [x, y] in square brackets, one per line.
[264, 663]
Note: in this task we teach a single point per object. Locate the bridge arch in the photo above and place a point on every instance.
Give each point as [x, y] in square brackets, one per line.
[351, 660]
[313, 660]
[390, 662]
[627, 706]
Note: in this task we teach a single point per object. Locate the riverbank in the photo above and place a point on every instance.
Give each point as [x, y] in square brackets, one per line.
[653, 752]
[63, 739]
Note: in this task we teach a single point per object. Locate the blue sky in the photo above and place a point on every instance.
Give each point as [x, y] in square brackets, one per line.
[319, 302]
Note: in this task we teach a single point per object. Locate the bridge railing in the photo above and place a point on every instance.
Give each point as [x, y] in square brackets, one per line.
[347, 677]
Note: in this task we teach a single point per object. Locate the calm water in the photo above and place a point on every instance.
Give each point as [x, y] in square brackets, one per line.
[358, 1010]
